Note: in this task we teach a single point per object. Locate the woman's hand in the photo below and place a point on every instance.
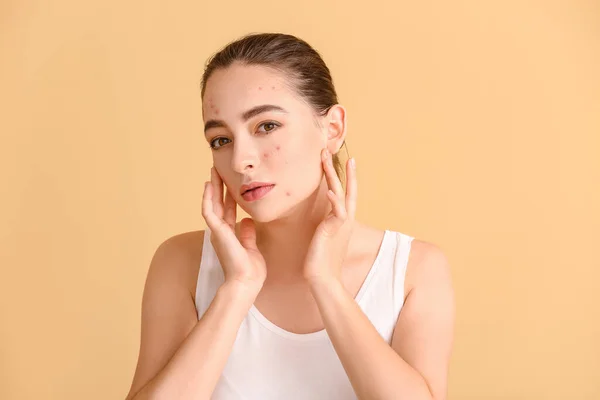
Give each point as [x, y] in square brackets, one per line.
[329, 244]
[238, 254]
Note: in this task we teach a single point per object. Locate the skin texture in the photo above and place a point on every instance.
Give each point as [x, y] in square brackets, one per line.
[287, 154]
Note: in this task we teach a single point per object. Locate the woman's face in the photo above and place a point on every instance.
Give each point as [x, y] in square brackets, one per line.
[277, 146]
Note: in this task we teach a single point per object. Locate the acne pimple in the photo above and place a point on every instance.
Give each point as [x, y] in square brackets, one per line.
[278, 147]
[288, 194]
[260, 88]
[266, 155]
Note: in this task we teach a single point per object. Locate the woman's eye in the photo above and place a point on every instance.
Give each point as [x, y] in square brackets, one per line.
[269, 124]
[272, 126]
[216, 140]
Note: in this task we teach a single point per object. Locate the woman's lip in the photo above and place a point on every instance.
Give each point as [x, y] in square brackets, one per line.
[258, 187]
[257, 193]
[253, 185]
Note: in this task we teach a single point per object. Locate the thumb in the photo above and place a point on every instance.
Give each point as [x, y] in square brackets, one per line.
[248, 234]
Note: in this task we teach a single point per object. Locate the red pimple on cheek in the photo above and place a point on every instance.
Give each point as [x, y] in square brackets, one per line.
[259, 88]
[288, 194]
[278, 147]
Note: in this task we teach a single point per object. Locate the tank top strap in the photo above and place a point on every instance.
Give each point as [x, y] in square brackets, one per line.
[210, 276]
[403, 246]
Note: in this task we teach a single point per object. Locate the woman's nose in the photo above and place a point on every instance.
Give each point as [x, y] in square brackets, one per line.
[245, 156]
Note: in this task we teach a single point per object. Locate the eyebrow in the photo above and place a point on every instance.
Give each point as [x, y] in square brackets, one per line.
[254, 111]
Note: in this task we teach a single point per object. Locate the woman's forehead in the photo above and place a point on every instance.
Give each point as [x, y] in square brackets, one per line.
[234, 91]
[243, 80]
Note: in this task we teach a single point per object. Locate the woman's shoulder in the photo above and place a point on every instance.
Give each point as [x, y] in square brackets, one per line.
[421, 251]
[184, 251]
[427, 262]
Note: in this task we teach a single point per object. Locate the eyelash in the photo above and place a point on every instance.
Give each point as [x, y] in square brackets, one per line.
[266, 132]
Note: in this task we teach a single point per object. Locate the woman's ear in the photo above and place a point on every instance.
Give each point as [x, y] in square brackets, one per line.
[335, 127]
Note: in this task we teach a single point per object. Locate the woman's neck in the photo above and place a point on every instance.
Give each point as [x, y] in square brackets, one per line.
[284, 242]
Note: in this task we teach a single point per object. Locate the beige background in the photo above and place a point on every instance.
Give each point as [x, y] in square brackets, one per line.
[475, 125]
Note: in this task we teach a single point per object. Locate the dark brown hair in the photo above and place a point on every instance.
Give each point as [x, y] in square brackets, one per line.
[308, 75]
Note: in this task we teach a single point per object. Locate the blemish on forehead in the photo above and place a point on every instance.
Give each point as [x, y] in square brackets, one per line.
[260, 88]
[288, 194]
[212, 106]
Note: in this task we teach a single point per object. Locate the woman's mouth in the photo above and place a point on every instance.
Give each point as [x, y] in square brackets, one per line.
[257, 193]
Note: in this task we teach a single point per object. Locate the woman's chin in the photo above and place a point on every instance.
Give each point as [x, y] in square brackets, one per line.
[260, 213]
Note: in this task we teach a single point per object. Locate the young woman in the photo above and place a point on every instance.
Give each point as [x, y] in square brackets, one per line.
[301, 301]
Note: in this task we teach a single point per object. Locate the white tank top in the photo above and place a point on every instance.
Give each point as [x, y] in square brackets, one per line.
[268, 362]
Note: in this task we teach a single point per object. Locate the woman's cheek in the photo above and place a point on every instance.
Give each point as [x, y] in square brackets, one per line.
[274, 151]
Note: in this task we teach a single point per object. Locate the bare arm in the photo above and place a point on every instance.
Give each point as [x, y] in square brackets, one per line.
[181, 357]
[415, 366]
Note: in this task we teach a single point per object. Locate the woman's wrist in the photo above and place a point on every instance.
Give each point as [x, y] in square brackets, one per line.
[322, 283]
[243, 293]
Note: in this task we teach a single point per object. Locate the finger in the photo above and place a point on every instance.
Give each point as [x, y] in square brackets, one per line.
[230, 209]
[217, 192]
[247, 235]
[211, 219]
[332, 179]
[339, 210]
[351, 188]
